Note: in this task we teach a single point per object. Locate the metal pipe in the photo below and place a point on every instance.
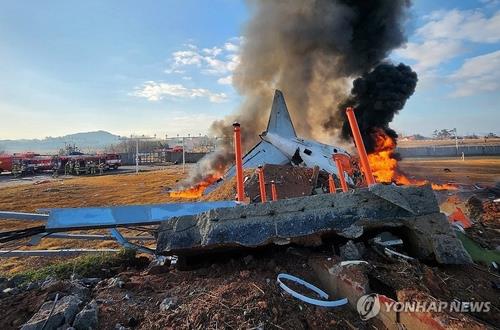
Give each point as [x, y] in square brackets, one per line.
[274, 193]
[239, 164]
[360, 146]
[137, 156]
[340, 167]
[262, 184]
[331, 184]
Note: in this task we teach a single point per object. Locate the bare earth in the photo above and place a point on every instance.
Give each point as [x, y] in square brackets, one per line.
[474, 170]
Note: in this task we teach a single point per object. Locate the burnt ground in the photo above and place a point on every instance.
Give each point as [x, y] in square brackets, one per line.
[240, 292]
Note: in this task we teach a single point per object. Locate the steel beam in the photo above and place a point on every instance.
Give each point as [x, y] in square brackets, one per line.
[53, 253]
[122, 216]
[7, 215]
[96, 237]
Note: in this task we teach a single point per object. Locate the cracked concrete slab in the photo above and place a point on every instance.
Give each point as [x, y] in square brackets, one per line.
[305, 220]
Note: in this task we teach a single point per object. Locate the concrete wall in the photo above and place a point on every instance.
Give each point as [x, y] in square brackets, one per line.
[449, 151]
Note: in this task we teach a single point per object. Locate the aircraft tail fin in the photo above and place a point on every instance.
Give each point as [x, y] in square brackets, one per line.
[279, 121]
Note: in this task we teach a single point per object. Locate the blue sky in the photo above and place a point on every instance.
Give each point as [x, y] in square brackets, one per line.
[164, 67]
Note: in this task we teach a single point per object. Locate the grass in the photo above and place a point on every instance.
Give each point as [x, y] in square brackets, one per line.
[84, 266]
[478, 253]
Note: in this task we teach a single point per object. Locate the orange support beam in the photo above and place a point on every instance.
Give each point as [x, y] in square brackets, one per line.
[363, 157]
[273, 191]
[262, 184]
[239, 164]
[331, 184]
[340, 167]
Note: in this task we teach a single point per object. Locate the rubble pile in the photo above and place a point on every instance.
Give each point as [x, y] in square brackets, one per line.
[306, 220]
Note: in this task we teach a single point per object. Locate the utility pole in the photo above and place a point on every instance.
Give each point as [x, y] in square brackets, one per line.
[456, 139]
[183, 155]
[137, 156]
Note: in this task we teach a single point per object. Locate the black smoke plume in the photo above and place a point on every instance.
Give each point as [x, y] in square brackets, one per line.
[311, 50]
[377, 97]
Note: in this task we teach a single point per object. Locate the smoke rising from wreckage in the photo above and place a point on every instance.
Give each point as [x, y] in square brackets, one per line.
[311, 50]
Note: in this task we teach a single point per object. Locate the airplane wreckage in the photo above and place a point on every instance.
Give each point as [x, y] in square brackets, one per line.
[206, 227]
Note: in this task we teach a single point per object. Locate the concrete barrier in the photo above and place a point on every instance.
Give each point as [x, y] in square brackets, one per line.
[449, 151]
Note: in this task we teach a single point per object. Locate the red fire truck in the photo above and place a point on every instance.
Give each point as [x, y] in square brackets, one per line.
[30, 163]
[5, 163]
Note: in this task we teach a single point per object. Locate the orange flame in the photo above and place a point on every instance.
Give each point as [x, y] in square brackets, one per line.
[385, 167]
[196, 190]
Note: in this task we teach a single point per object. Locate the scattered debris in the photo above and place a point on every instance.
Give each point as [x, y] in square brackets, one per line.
[349, 251]
[322, 294]
[168, 303]
[55, 313]
[459, 216]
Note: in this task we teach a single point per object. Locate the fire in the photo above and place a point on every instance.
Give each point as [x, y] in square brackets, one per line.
[196, 190]
[385, 168]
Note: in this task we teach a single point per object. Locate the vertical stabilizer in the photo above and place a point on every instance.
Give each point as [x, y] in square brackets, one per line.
[279, 121]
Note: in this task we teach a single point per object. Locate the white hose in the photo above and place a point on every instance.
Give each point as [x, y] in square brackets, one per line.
[312, 301]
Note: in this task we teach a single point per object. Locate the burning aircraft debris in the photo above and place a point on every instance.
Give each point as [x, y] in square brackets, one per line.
[311, 50]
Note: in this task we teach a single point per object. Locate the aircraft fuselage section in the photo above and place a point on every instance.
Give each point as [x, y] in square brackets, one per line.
[311, 152]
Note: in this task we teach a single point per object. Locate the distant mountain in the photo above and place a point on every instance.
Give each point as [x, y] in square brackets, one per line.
[86, 142]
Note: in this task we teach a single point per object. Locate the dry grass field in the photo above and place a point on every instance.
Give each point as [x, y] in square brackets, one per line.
[144, 188]
[473, 170]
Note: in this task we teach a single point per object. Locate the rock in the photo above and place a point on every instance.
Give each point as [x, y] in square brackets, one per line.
[349, 251]
[159, 265]
[116, 282]
[15, 281]
[64, 312]
[32, 286]
[248, 259]
[118, 326]
[49, 281]
[79, 290]
[132, 322]
[361, 248]
[87, 318]
[90, 281]
[11, 291]
[168, 303]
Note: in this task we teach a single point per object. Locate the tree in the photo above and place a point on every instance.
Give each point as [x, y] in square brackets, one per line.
[443, 134]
